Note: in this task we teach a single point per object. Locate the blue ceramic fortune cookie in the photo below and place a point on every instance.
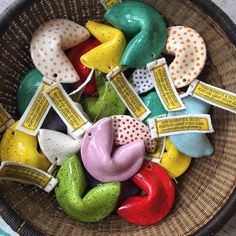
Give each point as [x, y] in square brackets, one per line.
[193, 144]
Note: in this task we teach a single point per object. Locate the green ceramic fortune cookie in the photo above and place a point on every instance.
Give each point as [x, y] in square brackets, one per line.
[93, 206]
[146, 27]
[108, 103]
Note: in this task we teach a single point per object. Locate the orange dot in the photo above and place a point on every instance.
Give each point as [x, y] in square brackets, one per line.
[173, 78]
[179, 34]
[180, 50]
[174, 42]
[198, 58]
[196, 51]
[192, 54]
[174, 32]
[202, 48]
[202, 42]
[195, 47]
[177, 62]
[193, 68]
[192, 60]
[195, 73]
[184, 61]
[169, 47]
[186, 65]
[185, 72]
[172, 67]
[180, 37]
[188, 80]
[177, 71]
[189, 30]
[199, 36]
[181, 77]
[178, 83]
[182, 42]
[173, 39]
[198, 64]
[202, 54]
[184, 49]
[185, 33]
[189, 74]
[186, 55]
[188, 40]
[191, 35]
[195, 42]
[181, 67]
[172, 73]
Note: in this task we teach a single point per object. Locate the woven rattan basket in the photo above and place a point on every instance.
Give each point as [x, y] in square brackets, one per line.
[206, 195]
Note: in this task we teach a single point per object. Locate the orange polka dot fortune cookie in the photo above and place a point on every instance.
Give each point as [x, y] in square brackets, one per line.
[189, 50]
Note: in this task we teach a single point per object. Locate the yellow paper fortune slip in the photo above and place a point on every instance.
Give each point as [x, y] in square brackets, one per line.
[166, 126]
[27, 174]
[36, 112]
[215, 96]
[127, 94]
[5, 119]
[109, 3]
[67, 110]
[164, 85]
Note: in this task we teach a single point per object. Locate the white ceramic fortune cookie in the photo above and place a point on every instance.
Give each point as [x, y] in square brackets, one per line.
[56, 146]
[189, 50]
[47, 46]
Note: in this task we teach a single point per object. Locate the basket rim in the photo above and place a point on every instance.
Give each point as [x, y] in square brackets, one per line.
[22, 227]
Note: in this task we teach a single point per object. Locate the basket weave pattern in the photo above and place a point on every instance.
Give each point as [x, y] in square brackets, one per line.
[206, 186]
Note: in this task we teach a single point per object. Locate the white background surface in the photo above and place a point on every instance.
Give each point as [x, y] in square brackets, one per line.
[229, 6]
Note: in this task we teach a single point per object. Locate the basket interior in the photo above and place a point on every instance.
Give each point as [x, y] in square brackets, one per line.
[201, 191]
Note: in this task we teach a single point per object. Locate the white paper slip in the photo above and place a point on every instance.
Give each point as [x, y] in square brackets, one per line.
[27, 174]
[166, 126]
[164, 85]
[67, 110]
[5, 119]
[127, 94]
[215, 96]
[35, 113]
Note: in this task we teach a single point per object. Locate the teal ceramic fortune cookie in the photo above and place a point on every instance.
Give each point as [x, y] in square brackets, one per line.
[93, 206]
[27, 88]
[106, 56]
[193, 144]
[153, 102]
[108, 103]
[146, 27]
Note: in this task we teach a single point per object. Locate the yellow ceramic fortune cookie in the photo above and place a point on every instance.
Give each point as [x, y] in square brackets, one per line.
[19, 147]
[173, 161]
[106, 56]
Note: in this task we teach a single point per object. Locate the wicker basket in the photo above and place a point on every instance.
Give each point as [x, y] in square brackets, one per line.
[206, 195]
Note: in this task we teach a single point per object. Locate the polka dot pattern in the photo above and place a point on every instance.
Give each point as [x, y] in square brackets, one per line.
[127, 129]
[190, 54]
[47, 46]
[141, 80]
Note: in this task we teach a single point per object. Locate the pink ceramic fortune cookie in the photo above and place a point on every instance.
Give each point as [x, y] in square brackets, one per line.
[127, 129]
[190, 54]
[47, 46]
[105, 163]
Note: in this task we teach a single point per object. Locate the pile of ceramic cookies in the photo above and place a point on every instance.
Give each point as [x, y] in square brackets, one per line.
[111, 114]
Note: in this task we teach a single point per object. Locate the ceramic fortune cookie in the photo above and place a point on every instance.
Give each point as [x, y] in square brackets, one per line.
[47, 46]
[156, 203]
[93, 206]
[145, 25]
[74, 55]
[106, 56]
[105, 163]
[107, 103]
[141, 80]
[189, 50]
[56, 146]
[127, 129]
[193, 144]
[173, 161]
[17, 146]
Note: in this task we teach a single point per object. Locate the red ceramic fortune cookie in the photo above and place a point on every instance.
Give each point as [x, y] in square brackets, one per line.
[74, 55]
[156, 203]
